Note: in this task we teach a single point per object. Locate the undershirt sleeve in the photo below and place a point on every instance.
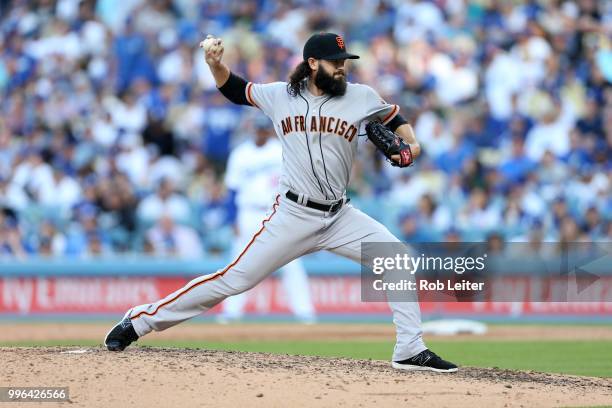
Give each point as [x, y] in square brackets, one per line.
[234, 90]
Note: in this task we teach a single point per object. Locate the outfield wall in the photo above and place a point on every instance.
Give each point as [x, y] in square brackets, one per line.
[81, 288]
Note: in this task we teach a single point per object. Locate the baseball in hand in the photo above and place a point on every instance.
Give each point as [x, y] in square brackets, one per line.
[208, 43]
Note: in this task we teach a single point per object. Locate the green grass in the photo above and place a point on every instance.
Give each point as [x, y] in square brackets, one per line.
[590, 358]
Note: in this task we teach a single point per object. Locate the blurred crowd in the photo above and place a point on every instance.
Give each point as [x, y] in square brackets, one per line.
[113, 138]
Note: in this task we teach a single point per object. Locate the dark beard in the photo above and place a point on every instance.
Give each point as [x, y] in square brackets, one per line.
[329, 85]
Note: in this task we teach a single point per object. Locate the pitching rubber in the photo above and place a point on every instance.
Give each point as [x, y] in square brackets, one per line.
[407, 367]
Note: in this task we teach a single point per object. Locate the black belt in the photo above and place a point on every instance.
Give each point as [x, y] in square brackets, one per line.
[332, 208]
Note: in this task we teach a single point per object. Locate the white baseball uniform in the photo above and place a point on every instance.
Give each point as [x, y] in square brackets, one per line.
[319, 136]
[253, 172]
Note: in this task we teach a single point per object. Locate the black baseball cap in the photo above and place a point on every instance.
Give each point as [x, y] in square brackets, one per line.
[327, 46]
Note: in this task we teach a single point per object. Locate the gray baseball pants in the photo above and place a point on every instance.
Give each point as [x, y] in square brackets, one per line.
[288, 232]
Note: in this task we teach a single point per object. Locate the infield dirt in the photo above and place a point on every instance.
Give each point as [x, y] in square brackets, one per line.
[158, 377]
[49, 331]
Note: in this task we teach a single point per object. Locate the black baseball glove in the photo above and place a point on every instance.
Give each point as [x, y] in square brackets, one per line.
[389, 144]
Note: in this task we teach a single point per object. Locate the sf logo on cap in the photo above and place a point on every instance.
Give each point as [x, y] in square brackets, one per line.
[340, 41]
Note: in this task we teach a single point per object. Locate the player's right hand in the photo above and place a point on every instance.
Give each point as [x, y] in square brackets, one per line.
[213, 50]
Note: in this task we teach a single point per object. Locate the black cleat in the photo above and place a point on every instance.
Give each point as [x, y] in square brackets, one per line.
[121, 336]
[426, 360]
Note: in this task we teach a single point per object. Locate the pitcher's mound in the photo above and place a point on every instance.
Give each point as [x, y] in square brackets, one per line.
[160, 377]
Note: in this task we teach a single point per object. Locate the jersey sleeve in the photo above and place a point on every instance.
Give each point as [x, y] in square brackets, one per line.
[265, 96]
[376, 108]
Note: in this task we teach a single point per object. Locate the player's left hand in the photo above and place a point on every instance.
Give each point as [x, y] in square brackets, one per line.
[390, 144]
[397, 158]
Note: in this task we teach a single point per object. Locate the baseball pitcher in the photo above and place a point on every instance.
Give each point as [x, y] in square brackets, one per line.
[316, 116]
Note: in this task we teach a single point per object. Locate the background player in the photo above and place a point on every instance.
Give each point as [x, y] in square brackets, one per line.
[252, 176]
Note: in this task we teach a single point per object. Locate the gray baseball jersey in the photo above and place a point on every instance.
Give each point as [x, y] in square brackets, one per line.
[318, 133]
[319, 139]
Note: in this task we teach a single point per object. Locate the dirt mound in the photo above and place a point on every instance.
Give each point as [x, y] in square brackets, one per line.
[159, 377]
